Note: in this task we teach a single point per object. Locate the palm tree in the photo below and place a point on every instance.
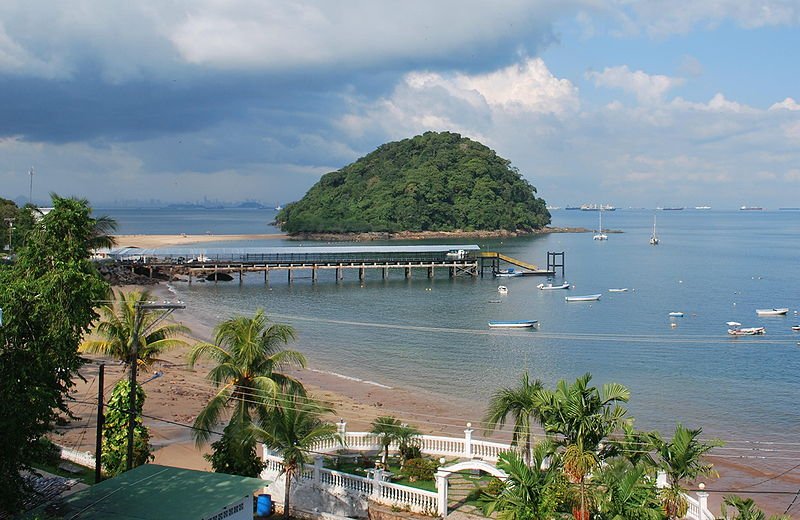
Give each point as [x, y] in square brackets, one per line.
[523, 403]
[627, 492]
[746, 509]
[387, 428]
[292, 429]
[533, 489]
[407, 438]
[127, 322]
[682, 460]
[249, 354]
[583, 417]
[103, 227]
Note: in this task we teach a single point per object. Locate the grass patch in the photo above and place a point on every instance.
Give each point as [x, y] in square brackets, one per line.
[352, 468]
[86, 475]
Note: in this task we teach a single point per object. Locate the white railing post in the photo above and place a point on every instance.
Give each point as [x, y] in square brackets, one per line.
[377, 484]
[441, 490]
[468, 441]
[317, 467]
[702, 499]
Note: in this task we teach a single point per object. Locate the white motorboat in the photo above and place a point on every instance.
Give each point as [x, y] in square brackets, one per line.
[502, 289]
[524, 324]
[676, 314]
[736, 329]
[622, 289]
[771, 312]
[550, 287]
[796, 328]
[587, 298]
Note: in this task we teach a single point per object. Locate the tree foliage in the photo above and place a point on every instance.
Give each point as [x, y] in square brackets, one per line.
[235, 453]
[47, 301]
[115, 430]
[431, 182]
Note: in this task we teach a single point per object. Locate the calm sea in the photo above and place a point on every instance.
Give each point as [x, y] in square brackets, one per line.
[715, 266]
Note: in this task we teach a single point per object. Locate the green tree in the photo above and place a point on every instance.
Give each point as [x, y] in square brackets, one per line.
[534, 489]
[523, 403]
[407, 443]
[249, 355]
[627, 492]
[235, 454]
[682, 459]
[386, 428]
[581, 417]
[746, 509]
[127, 321]
[115, 430]
[292, 429]
[47, 301]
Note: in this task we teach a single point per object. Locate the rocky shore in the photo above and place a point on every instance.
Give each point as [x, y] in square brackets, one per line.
[420, 235]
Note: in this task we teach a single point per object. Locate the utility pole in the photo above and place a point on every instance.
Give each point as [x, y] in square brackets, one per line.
[30, 193]
[10, 231]
[101, 419]
[140, 307]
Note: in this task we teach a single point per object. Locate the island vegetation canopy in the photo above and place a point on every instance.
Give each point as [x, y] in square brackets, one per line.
[431, 182]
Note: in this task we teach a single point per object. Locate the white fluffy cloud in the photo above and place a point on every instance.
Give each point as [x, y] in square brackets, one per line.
[648, 88]
[786, 104]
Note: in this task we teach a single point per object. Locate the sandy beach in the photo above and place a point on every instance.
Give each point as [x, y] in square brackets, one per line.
[175, 399]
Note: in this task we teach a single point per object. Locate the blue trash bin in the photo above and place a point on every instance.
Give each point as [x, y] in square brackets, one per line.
[264, 505]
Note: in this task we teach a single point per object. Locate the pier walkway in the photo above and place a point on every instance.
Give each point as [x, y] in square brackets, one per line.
[224, 263]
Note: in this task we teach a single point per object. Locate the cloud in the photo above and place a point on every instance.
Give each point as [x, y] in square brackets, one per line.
[786, 104]
[647, 88]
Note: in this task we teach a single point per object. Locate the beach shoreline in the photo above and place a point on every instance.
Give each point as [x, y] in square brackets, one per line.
[180, 394]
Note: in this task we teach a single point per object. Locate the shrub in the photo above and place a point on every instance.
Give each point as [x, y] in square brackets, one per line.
[419, 469]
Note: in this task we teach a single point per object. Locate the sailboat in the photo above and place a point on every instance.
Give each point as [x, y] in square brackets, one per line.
[600, 235]
[654, 238]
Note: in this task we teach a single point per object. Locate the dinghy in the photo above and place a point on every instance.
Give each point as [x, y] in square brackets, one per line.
[771, 312]
[587, 298]
[524, 324]
[550, 287]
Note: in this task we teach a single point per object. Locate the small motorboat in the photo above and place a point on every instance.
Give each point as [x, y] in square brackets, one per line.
[507, 273]
[550, 287]
[771, 312]
[502, 289]
[524, 324]
[736, 329]
[676, 314]
[624, 289]
[587, 298]
[796, 328]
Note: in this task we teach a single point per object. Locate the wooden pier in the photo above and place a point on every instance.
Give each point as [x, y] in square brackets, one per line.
[215, 265]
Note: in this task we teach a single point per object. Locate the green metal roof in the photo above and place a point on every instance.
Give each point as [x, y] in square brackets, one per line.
[152, 491]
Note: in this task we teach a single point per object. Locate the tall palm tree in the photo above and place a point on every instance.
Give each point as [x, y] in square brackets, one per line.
[292, 429]
[523, 404]
[387, 428]
[533, 489]
[249, 357]
[103, 227]
[682, 460]
[581, 417]
[627, 492]
[124, 322]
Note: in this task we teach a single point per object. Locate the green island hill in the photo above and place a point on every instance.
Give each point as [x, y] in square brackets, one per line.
[434, 182]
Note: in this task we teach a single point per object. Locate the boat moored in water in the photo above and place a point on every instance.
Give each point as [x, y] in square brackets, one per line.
[772, 312]
[676, 314]
[502, 289]
[622, 289]
[550, 287]
[523, 324]
[736, 329]
[587, 298]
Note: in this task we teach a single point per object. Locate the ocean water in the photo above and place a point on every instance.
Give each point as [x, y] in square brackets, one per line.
[715, 266]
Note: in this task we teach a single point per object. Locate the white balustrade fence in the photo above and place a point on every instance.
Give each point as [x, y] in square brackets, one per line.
[407, 497]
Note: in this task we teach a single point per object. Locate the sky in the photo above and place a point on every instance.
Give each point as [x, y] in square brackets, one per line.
[634, 103]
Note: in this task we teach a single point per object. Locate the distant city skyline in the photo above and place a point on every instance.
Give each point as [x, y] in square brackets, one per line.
[644, 104]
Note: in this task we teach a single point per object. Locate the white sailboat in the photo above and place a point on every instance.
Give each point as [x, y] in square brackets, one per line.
[654, 238]
[600, 235]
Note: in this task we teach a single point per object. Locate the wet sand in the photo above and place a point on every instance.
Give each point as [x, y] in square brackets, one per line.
[179, 395]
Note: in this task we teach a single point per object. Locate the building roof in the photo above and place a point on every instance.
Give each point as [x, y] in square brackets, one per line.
[295, 250]
[154, 491]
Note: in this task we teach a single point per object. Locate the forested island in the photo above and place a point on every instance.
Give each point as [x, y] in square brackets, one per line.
[435, 182]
